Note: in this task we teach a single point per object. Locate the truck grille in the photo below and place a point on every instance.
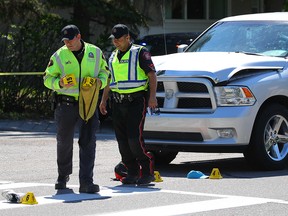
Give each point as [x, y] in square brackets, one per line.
[188, 95]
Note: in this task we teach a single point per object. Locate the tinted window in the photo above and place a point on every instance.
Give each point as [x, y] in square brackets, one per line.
[161, 44]
[265, 38]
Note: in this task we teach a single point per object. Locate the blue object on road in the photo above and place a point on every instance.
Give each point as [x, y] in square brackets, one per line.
[193, 174]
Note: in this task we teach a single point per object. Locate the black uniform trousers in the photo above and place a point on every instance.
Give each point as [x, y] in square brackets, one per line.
[67, 118]
[128, 121]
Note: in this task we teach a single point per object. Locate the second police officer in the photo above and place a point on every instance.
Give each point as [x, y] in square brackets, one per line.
[133, 84]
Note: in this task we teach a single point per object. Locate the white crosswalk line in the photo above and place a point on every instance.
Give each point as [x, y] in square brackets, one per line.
[193, 207]
[105, 192]
[217, 202]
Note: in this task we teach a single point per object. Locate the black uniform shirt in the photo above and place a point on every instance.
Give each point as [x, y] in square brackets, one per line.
[80, 53]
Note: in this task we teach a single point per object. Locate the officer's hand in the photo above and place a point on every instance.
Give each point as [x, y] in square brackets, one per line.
[102, 107]
[67, 85]
[152, 103]
[99, 83]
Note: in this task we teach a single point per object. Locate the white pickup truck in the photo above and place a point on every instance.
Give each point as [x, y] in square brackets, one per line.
[227, 92]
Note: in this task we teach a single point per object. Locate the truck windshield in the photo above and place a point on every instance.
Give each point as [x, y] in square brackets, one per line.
[251, 37]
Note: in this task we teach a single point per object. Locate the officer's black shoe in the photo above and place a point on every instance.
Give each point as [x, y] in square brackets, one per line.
[90, 188]
[146, 179]
[61, 182]
[129, 179]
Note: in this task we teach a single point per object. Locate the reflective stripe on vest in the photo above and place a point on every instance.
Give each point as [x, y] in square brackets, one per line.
[110, 66]
[131, 72]
[97, 65]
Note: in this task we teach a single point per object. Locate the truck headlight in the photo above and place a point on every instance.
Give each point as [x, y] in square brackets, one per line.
[234, 96]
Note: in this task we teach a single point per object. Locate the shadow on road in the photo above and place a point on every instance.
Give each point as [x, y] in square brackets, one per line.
[228, 167]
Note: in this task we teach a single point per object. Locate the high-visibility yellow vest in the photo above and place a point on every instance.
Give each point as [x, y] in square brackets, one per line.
[63, 62]
[126, 75]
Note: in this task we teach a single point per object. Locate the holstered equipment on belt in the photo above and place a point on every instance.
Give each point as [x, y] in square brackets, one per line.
[119, 98]
[88, 97]
[58, 99]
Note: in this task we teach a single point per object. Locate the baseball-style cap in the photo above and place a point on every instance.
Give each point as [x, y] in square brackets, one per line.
[118, 31]
[193, 174]
[69, 32]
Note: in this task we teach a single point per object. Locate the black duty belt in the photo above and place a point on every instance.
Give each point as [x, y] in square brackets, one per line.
[65, 99]
[119, 98]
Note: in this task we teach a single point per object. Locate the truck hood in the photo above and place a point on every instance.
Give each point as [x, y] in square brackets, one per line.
[218, 66]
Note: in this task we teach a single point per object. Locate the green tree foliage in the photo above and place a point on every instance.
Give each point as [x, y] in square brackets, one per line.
[285, 6]
[29, 35]
[105, 14]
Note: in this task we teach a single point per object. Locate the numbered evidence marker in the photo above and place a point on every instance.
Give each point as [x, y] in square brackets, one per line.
[157, 177]
[69, 79]
[215, 174]
[29, 199]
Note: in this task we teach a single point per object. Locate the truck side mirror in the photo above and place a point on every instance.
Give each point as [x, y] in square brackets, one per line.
[181, 48]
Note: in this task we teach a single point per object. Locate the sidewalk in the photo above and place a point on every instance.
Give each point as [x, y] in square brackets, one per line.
[43, 126]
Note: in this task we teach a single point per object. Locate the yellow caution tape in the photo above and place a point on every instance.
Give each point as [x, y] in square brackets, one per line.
[20, 73]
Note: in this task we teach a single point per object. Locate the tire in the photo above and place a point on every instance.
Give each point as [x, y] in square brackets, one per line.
[163, 157]
[268, 147]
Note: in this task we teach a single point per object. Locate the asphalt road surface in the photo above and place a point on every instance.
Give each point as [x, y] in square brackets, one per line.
[28, 165]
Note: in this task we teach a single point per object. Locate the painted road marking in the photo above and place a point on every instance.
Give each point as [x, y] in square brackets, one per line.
[105, 193]
[220, 201]
[193, 207]
[21, 185]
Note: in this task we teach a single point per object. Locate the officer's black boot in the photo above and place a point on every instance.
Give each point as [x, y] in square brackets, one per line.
[132, 174]
[129, 179]
[61, 182]
[147, 173]
[89, 188]
[145, 179]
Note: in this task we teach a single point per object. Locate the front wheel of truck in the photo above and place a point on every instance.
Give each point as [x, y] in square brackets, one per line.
[268, 147]
[163, 157]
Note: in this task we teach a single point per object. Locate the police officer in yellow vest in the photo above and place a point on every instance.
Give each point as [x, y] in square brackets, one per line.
[133, 85]
[64, 74]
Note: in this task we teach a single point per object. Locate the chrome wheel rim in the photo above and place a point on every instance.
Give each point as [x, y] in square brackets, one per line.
[276, 138]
